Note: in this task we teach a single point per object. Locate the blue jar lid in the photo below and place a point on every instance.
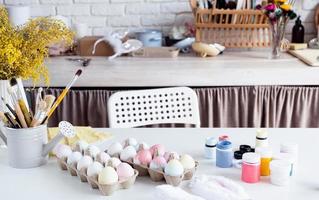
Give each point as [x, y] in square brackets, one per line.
[224, 145]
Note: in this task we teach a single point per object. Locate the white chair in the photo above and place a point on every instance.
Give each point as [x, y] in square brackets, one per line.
[130, 109]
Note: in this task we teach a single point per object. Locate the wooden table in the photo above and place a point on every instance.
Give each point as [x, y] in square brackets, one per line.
[50, 183]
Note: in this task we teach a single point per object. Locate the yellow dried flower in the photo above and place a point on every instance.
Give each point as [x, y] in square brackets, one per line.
[24, 48]
[286, 7]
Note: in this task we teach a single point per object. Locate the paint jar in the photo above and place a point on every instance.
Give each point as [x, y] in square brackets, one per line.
[223, 138]
[291, 148]
[287, 158]
[250, 168]
[210, 148]
[265, 159]
[224, 154]
[279, 172]
[261, 138]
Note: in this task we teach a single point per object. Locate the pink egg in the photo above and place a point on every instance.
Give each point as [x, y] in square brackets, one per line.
[158, 163]
[124, 171]
[143, 157]
[157, 150]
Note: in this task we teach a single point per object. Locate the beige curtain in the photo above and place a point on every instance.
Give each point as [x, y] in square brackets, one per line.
[251, 106]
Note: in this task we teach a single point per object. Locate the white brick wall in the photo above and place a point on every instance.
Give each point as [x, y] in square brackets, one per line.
[103, 14]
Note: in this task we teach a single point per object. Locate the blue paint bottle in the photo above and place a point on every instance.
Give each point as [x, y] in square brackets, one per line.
[224, 154]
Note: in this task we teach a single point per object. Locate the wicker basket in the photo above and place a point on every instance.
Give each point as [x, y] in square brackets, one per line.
[245, 28]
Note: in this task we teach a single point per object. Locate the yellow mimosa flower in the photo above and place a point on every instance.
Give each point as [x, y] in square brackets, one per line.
[286, 7]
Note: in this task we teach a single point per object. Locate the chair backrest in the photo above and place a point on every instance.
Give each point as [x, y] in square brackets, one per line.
[155, 106]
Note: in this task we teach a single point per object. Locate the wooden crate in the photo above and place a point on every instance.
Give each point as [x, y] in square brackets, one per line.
[245, 28]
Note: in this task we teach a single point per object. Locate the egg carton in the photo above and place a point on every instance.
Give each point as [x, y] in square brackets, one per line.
[107, 189]
[157, 175]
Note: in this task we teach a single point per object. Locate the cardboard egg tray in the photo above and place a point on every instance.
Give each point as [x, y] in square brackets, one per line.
[106, 190]
[157, 175]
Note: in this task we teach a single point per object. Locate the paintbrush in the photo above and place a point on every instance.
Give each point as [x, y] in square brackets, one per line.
[4, 119]
[40, 114]
[17, 108]
[12, 121]
[62, 95]
[49, 100]
[38, 99]
[11, 110]
[23, 105]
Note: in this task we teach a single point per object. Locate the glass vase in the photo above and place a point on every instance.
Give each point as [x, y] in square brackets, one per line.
[278, 33]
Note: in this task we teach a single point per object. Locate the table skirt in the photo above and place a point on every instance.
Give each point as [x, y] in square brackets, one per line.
[247, 106]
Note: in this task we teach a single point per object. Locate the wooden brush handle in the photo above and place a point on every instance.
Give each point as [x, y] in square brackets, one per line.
[25, 112]
[20, 116]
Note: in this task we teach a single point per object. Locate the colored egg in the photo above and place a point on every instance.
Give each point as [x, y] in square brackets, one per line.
[63, 151]
[174, 168]
[143, 157]
[74, 158]
[94, 169]
[108, 176]
[158, 163]
[142, 145]
[128, 153]
[114, 149]
[103, 157]
[157, 150]
[81, 146]
[129, 142]
[124, 171]
[187, 161]
[84, 162]
[114, 162]
[171, 155]
[93, 151]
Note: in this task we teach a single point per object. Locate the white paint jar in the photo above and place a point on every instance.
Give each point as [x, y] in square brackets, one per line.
[291, 148]
[261, 138]
[280, 172]
[287, 158]
[210, 148]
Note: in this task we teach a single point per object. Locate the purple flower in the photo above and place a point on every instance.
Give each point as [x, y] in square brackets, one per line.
[259, 7]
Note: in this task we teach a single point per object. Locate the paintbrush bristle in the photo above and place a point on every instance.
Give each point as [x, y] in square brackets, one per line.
[79, 72]
[13, 82]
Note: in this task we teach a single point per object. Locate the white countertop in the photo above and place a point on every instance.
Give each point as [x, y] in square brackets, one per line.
[229, 69]
[50, 183]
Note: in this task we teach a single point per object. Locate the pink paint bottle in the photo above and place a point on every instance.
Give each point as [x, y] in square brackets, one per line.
[250, 168]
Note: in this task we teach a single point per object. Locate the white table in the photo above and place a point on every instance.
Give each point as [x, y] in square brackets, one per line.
[239, 68]
[50, 183]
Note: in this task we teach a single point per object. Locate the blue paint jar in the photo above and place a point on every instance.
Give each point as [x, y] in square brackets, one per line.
[224, 154]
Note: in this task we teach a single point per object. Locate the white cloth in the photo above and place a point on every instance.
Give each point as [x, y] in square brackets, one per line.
[168, 192]
[217, 188]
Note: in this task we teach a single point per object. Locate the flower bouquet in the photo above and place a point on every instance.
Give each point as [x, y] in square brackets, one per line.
[24, 48]
[279, 12]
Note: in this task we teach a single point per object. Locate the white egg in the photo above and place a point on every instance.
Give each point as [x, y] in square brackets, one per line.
[93, 151]
[74, 157]
[94, 169]
[103, 157]
[108, 176]
[114, 149]
[81, 146]
[174, 168]
[130, 142]
[128, 153]
[114, 162]
[187, 161]
[84, 162]
[63, 151]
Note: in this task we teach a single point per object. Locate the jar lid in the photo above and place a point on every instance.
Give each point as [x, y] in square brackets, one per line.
[224, 144]
[211, 141]
[263, 134]
[285, 157]
[245, 148]
[251, 158]
[289, 147]
[238, 155]
[280, 165]
[264, 152]
[223, 137]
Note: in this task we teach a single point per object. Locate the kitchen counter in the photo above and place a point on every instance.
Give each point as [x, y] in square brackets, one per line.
[229, 69]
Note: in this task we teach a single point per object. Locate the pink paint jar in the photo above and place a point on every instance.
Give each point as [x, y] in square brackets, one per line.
[250, 168]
